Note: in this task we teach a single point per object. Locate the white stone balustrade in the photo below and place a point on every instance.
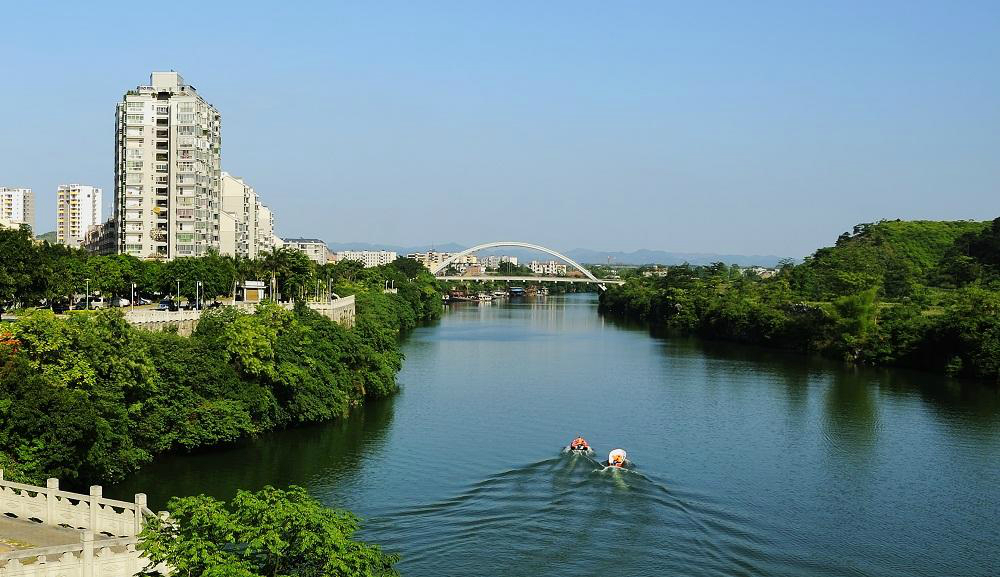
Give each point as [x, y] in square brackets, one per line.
[107, 530]
[89, 558]
[91, 512]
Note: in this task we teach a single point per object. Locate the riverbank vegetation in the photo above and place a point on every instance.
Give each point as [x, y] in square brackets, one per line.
[920, 294]
[264, 533]
[88, 397]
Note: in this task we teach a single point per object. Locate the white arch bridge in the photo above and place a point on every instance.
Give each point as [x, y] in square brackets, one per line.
[588, 276]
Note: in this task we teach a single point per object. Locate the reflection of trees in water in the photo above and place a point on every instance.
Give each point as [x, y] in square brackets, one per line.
[851, 420]
[280, 458]
[965, 408]
[958, 403]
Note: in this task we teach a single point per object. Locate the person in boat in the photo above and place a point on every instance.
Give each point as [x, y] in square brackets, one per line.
[616, 458]
[579, 444]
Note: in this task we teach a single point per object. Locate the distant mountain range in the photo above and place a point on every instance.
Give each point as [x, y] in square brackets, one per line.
[583, 255]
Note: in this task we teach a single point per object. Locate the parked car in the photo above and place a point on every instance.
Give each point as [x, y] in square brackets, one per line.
[120, 302]
[167, 305]
[143, 301]
[95, 303]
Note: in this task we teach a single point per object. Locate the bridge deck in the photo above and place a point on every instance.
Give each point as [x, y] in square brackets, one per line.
[530, 279]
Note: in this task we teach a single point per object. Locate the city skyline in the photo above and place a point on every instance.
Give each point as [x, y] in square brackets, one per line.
[692, 133]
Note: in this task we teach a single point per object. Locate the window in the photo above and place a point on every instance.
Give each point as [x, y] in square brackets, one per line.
[133, 247]
[133, 178]
[162, 109]
[186, 107]
[133, 165]
[182, 130]
[134, 153]
[133, 131]
[133, 191]
[133, 118]
[185, 118]
[185, 166]
[135, 106]
[162, 166]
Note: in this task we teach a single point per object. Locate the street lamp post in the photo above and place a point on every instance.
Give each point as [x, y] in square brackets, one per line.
[132, 302]
[197, 297]
[178, 293]
[87, 296]
[329, 289]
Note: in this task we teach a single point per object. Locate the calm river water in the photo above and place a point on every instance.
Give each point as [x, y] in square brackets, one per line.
[747, 461]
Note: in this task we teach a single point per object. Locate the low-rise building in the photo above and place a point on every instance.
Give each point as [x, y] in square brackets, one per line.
[370, 258]
[102, 238]
[433, 259]
[313, 248]
[493, 262]
[548, 268]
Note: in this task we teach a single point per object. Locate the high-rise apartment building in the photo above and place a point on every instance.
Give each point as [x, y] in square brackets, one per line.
[17, 206]
[246, 224]
[266, 239]
[167, 170]
[238, 218]
[78, 208]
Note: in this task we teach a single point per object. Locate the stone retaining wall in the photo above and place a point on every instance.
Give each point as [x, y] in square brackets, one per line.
[339, 310]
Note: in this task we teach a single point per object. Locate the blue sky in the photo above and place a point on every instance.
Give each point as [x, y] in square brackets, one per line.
[731, 127]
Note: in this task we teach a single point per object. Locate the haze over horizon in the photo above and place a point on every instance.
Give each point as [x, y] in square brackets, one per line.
[731, 129]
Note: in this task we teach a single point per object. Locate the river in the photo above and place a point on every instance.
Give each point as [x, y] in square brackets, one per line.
[746, 461]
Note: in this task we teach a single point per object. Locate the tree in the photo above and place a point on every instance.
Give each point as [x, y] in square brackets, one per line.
[408, 266]
[265, 533]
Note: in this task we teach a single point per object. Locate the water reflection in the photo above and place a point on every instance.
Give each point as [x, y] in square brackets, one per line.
[328, 451]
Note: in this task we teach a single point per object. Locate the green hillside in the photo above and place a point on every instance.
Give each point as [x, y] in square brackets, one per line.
[896, 255]
[922, 294]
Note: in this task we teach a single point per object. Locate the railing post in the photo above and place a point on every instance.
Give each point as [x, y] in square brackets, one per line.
[87, 557]
[95, 507]
[52, 485]
[140, 504]
[1, 474]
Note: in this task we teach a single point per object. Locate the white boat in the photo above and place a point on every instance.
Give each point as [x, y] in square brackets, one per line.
[485, 297]
[499, 294]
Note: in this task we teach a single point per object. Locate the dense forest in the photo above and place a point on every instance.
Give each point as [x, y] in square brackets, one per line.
[922, 294]
[87, 397]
